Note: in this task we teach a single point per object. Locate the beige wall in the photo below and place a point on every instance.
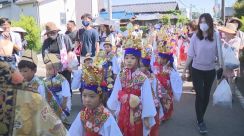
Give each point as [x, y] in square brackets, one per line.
[87, 6]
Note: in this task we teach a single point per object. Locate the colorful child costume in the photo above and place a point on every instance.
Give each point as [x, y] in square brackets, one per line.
[24, 112]
[132, 96]
[98, 121]
[58, 85]
[36, 84]
[109, 64]
[164, 89]
[146, 58]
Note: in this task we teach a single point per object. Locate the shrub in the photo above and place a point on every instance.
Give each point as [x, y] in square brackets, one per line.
[33, 36]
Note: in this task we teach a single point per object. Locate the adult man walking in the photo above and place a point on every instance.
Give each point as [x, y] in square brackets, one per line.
[88, 37]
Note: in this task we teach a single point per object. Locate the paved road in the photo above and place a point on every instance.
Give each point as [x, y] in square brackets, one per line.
[220, 121]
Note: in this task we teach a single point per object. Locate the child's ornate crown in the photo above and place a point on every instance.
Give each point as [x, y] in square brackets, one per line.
[133, 45]
[146, 53]
[162, 35]
[93, 79]
[100, 58]
[133, 42]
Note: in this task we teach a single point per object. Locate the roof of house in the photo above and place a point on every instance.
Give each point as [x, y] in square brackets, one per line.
[147, 7]
[229, 11]
[117, 15]
[27, 1]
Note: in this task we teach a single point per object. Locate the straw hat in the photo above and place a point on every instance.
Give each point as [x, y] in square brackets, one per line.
[50, 26]
[51, 58]
[107, 42]
[31, 56]
[230, 28]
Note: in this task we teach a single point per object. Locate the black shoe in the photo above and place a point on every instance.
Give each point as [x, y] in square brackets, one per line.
[202, 128]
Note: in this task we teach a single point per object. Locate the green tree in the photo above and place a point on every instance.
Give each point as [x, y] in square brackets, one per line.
[239, 8]
[165, 19]
[182, 19]
[33, 36]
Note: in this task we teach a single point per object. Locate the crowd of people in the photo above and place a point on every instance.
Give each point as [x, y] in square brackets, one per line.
[128, 80]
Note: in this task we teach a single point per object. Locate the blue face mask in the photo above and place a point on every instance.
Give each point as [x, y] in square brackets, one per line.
[85, 23]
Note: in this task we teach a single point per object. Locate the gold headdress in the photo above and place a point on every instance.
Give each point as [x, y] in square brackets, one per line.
[162, 35]
[100, 58]
[133, 45]
[93, 79]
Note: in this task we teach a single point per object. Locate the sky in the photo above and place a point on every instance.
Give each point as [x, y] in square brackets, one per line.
[198, 5]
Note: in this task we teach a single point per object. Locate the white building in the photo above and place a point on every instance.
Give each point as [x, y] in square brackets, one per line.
[57, 11]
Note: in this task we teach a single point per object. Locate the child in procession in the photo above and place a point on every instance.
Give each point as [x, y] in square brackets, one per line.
[94, 119]
[131, 99]
[146, 69]
[164, 66]
[27, 67]
[57, 83]
[77, 81]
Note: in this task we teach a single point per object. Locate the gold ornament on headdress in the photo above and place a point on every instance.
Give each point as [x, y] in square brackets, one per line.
[163, 49]
[100, 58]
[92, 75]
[162, 35]
[132, 42]
[146, 53]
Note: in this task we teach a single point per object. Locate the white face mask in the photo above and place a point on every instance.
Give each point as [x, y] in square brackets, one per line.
[204, 27]
[53, 37]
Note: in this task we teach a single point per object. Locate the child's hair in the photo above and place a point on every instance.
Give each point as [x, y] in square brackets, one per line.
[27, 64]
[102, 97]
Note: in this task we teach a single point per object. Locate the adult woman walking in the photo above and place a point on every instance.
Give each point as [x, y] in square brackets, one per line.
[204, 50]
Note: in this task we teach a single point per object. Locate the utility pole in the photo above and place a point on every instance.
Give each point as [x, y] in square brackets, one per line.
[223, 10]
[110, 9]
[190, 11]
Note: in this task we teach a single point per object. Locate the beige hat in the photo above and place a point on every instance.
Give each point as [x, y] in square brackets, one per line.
[230, 28]
[51, 58]
[50, 26]
[107, 42]
[31, 56]
[87, 57]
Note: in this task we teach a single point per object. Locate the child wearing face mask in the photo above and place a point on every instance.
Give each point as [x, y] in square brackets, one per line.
[131, 99]
[94, 119]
